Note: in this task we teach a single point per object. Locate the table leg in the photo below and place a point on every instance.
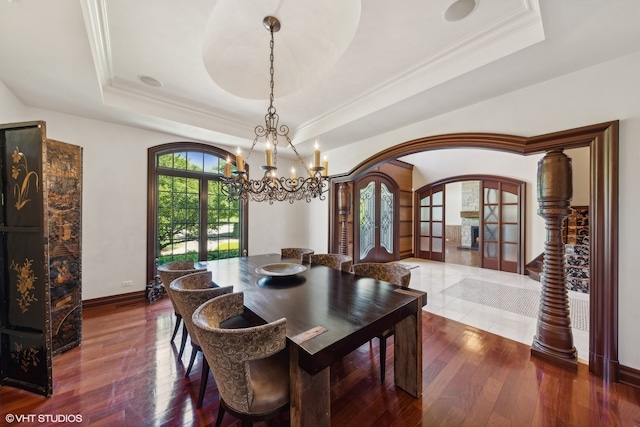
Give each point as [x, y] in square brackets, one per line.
[407, 366]
[310, 394]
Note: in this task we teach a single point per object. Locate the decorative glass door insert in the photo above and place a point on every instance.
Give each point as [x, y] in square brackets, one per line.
[367, 219]
[377, 218]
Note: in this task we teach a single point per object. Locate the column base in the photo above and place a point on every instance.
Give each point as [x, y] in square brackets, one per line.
[566, 359]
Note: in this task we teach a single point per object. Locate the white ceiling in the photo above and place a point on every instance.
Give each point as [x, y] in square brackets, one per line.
[344, 69]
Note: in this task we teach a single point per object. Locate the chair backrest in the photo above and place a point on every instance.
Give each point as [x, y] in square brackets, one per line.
[190, 292]
[389, 272]
[170, 271]
[297, 253]
[229, 351]
[337, 261]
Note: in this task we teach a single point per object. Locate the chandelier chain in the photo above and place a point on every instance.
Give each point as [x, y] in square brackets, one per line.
[271, 73]
[271, 124]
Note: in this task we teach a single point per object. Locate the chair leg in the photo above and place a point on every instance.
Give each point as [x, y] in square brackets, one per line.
[194, 352]
[203, 381]
[175, 330]
[183, 343]
[220, 414]
[383, 357]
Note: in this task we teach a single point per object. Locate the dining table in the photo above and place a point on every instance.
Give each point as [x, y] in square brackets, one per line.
[329, 314]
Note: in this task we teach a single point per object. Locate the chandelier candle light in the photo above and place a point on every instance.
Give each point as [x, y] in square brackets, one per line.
[236, 183]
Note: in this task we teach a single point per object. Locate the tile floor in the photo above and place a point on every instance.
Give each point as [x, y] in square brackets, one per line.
[494, 304]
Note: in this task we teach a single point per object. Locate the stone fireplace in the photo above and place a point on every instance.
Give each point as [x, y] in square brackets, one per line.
[470, 218]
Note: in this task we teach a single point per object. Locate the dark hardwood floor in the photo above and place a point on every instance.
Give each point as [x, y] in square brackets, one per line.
[126, 373]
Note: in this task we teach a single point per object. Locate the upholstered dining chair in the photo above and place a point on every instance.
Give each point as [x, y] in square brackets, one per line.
[336, 261]
[297, 253]
[250, 365]
[168, 272]
[190, 292]
[389, 272]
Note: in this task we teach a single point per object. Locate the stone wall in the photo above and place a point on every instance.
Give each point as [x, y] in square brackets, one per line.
[470, 194]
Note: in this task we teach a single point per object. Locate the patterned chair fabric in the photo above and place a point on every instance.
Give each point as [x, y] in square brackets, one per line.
[168, 273]
[172, 270]
[389, 272]
[337, 261]
[249, 365]
[190, 292]
[297, 253]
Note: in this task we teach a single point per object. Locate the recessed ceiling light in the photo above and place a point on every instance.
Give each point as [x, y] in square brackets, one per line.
[460, 9]
[150, 81]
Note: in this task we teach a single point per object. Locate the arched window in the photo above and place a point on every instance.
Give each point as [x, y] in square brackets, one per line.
[188, 216]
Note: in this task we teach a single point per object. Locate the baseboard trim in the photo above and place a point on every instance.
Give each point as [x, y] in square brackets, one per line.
[128, 298]
[629, 376]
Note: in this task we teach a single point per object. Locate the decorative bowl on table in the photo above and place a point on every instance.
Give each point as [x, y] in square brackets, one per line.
[281, 269]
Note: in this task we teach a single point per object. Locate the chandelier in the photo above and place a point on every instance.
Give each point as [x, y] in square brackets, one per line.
[311, 185]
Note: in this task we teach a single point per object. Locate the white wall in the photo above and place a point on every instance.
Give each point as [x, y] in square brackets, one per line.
[581, 173]
[11, 109]
[608, 91]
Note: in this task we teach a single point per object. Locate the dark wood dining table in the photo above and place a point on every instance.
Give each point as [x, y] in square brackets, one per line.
[329, 314]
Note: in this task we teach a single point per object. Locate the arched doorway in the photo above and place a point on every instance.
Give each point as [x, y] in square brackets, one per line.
[602, 140]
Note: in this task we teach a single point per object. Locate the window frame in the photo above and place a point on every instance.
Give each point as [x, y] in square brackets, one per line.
[152, 202]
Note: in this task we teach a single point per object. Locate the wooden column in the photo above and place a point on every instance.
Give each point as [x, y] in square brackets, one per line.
[344, 210]
[554, 339]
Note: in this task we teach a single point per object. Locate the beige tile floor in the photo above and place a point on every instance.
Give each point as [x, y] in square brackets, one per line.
[436, 278]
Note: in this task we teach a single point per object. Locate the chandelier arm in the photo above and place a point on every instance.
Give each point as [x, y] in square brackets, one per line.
[284, 131]
[255, 140]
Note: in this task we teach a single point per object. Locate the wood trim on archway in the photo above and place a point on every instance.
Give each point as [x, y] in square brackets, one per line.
[602, 139]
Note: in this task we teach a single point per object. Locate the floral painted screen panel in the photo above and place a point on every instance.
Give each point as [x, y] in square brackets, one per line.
[25, 334]
[23, 160]
[25, 359]
[367, 219]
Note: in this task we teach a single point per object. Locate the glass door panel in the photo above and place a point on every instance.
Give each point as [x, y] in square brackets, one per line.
[425, 244]
[510, 213]
[367, 219]
[491, 221]
[178, 218]
[223, 224]
[502, 226]
[386, 218]
[431, 227]
[376, 218]
[510, 252]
